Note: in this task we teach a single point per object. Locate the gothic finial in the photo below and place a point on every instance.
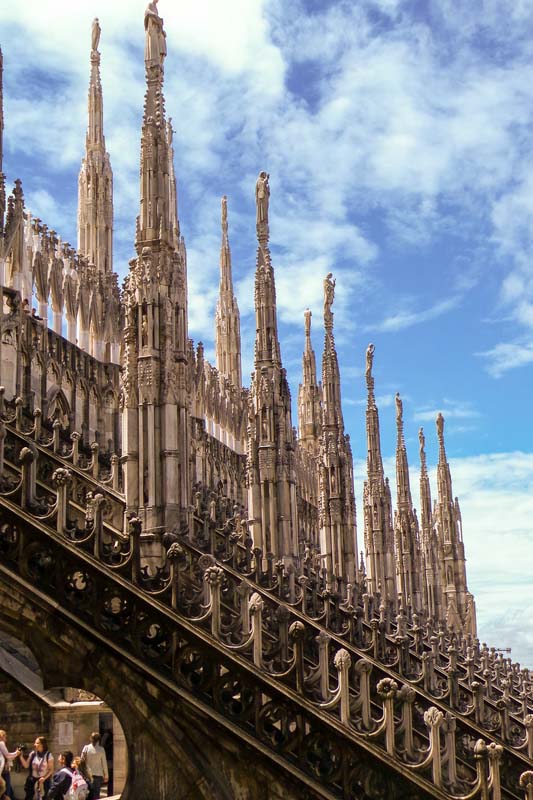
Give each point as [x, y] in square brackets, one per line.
[440, 429]
[95, 35]
[329, 297]
[307, 317]
[262, 199]
[225, 215]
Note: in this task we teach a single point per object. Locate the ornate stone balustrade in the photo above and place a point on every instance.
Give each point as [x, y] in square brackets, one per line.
[368, 678]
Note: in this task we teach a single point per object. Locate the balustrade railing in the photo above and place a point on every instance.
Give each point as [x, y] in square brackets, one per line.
[372, 676]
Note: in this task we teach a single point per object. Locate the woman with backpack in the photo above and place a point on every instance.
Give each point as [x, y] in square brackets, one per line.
[67, 783]
[40, 763]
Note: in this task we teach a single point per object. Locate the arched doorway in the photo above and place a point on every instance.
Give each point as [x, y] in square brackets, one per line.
[66, 716]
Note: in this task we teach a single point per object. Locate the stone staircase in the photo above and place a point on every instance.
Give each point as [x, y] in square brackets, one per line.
[365, 704]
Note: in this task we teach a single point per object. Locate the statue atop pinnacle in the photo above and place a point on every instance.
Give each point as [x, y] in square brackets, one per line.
[156, 46]
[329, 297]
[369, 361]
[262, 199]
[399, 409]
[95, 35]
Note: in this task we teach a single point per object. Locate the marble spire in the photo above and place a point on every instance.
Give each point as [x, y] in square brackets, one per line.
[227, 317]
[271, 471]
[95, 182]
[406, 532]
[377, 503]
[309, 391]
[155, 373]
[447, 515]
[338, 535]
[432, 587]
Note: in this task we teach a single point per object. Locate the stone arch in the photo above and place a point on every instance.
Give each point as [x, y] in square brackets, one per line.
[58, 406]
[163, 738]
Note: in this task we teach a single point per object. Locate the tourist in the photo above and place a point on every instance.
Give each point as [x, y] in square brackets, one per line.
[3, 795]
[81, 767]
[40, 763]
[62, 780]
[6, 767]
[94, 755]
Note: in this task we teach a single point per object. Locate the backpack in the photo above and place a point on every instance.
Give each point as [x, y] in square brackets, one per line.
[79, 788]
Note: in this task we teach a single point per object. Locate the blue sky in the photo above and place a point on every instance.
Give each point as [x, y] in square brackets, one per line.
[398, 137]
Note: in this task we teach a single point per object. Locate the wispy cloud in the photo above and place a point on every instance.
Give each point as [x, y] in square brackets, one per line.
[405, 319]
[450, 409]
[508, 355]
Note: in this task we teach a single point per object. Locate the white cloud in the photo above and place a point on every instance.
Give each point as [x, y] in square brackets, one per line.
[405, 319]
[450, 409]
[508, 355]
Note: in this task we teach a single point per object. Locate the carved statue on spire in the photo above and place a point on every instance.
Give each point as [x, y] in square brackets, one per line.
[440, 427]
[399, 409]
[262, 197]
[95, 35]
[422, 440]
[369, 360]
[156, 46]
[170, 132]
[225, 214]
[307, 318]
[329, 295]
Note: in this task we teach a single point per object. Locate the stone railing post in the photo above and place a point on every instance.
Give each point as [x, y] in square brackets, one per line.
[303, 580]
[37, 424]
[387, 690]
[213, 577]
[296, 635]
[56, 427]
[175, 554]
[115, 472]
[449, 728]
[453, 683]
[407, 697]
[95, 466]
[3, 433]
[62, 479]
[478, 691]
[503, 710]
[480, 756]
[495, 753]
[135, 531]
[283, 616]
[526, 783]
[528, 724]
[323, 640]
[343, 662]
[18, 413]
[434, 719]
[27, 461]
[244, 591]
[428, 672]
[94, 519]
[75, 438]
[256, 612]
[363, 668]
